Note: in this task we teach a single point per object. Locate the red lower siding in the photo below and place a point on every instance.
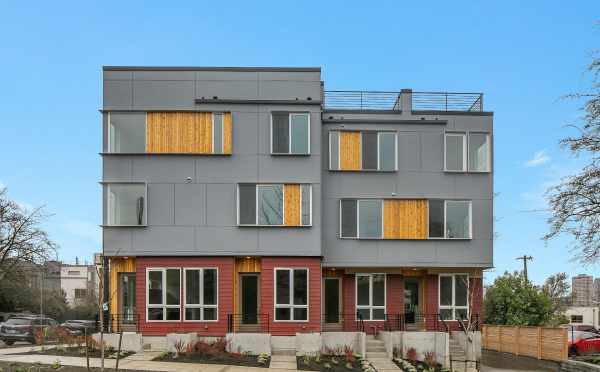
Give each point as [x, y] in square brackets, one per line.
[313, 264]
[225, 289]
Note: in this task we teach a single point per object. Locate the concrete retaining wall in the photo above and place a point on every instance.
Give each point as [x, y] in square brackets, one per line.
[473, 348]
[183, 339]
[308, 343]
[338, 340]
[130, 341]
[577, 366]
[422, 342]
[253, 343]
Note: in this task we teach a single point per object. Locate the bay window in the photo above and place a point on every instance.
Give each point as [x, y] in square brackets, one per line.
[201, 291]
[291, 294]
[453, 296]
[163, 294]
[290, 133]
[370, 296]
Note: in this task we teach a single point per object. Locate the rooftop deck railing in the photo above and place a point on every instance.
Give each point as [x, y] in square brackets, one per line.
[417, 101]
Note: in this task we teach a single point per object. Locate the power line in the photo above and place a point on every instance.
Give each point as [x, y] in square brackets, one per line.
[525, 258]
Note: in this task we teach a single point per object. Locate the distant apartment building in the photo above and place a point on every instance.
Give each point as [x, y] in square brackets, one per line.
[46, 275]
[582, 290]
[597, 290]
[78, 282]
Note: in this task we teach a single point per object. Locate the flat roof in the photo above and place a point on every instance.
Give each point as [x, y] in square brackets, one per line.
[208, 68]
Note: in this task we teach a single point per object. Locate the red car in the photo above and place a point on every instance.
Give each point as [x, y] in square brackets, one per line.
[583, 343]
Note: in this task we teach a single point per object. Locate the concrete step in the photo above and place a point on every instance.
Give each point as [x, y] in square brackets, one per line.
[375, 349]
[375, 342]
[376, 355]
[283, 352]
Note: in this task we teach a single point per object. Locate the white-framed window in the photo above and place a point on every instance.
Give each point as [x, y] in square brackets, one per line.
[361, 218]
[291, 294]
[450, 219]
[163, 294]
[479, 152]
[126, 132]
[201, 294]
[370, 296]
[126, 204]
[455, 154]
[290, 133]
[378, 150]
[264, 204]
[576, 318]
[454, 296]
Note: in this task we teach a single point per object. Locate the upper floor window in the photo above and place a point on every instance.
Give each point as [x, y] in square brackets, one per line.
[361, 218]
[275, 204]
[450, 219]
[291, 294]
[80, 293]
[126, 204]
[127, 132]
[200, 294]
[458, 155]
[290, 133]
[163, 289]
[453, 296]
[370, 296]
[362, 150]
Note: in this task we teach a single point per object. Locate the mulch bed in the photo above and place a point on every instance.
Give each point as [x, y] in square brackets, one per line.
[79, 352]
[327, 363]
[18, 366]
[243, 360]
[420, 366]
[592, 358]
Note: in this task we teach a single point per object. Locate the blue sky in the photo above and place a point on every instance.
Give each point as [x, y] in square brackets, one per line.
[523, 55]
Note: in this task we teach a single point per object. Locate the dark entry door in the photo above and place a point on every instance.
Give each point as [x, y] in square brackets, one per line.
[126, 301]
[411, 299]
[249, 298]
[332, 300]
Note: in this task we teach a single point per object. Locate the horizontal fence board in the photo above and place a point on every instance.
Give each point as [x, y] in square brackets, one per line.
[535, 342]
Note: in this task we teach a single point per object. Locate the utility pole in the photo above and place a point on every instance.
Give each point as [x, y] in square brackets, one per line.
[525, 258]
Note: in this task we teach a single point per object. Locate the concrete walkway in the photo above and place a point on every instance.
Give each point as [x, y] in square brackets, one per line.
[286, 362]
[384, 365]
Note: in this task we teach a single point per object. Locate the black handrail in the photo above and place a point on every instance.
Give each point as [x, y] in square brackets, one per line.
[244, 323]
[115, 323]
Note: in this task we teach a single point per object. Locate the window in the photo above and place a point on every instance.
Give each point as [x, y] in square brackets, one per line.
[375, 150]
[290, 133]
[218, 133]
[126, 204]
[479, 152]
[361, 219]
[576, 318]
[370, 296]
[264, 205]
[80, 293]
[456, 152]
[291, 294]
[127, 132]
[201, 294]
[450, 219]
[163, 294]
[453, 296]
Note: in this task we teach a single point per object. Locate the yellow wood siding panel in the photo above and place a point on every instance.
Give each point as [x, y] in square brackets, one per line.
[292, 205]
[227, 133]
[405, 219]
[350, 154]
[182, 132]
[117, 265]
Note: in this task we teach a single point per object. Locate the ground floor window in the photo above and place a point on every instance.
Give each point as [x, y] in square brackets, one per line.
[291, 294]
[163, 294]
[200, 294]
[453, 296]
[370, 296]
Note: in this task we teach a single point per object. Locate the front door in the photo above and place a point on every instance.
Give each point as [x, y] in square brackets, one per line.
[249, 298]
[331, 299]
[411, 300]
[127, 308]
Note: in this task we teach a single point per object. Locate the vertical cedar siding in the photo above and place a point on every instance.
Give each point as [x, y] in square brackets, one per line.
[350, 150]
[405, 219]
[292, 205]
[185, 132]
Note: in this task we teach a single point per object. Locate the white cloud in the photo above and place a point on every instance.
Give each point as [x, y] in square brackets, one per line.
[539, 158]
[85, 230]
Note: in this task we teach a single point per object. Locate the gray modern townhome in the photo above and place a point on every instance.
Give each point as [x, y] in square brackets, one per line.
[256, 199]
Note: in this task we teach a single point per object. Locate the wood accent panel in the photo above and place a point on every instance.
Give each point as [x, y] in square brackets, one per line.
[117, 265]
[227, 133]
[332, 273]
[350, 152]
[180, 132]
[291, 205]
[536, 342]
[405, 219]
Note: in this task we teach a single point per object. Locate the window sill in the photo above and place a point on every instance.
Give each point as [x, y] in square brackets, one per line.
[124, 225]
[466, 172]
[290, 321]
[270, 226]
[396, 239]
[293, 155]
[161, 153]
[362, 171]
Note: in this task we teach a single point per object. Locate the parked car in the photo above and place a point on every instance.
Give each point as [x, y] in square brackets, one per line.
[583, 343]
[581, 328]
[23, 328]
[80, 327]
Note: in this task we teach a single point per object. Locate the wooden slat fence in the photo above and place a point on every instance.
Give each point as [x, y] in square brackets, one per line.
[535, 342]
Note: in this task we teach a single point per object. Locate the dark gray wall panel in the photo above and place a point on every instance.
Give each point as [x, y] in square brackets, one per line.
[409, 154]
[117, 94]
[163, 94]
[432, 151]
[226, 89]
[221, 205]
[212, 240]
[163, 169]
[117, 240]
[117, 168]
[226, 169]
[190, 204]
[289, 90]
[166, 240]
[161, 204]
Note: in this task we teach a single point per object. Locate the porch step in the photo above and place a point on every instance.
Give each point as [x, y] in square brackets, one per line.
[376, 355]
[376, 349]
[154, 343]
[284, 352]
[283, 362]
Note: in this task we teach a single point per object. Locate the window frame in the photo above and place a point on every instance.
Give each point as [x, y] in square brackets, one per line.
[453, 307]
[200, 306]
[290, 115]
[164, 305]
[445, 237]
[488, 139]
[107, 184]
[370, 307]
[358, 237]
[257, 185]
[378, 170]
[291, 306]
[465, 152]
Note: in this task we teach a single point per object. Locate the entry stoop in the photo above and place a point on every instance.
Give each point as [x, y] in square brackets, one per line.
[154, 343]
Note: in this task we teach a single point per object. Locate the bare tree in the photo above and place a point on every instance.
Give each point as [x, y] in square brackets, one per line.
[575, 201]
[557, 288]
[21, 236]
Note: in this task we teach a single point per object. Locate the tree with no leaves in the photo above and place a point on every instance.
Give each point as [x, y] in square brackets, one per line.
[575, 201]
[21, 236]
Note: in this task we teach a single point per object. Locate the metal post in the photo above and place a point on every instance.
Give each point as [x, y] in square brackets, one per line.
[41, 307]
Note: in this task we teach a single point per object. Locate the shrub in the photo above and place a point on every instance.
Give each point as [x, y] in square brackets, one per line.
[56, 364]
[180, 347]
[349, 354]
[349, 365]
[411, 354]
[263, 358]
[430, 359]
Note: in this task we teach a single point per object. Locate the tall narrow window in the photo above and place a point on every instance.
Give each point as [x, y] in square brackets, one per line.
[387, 151]
[456, 154]
[291, 294]
[334, 150]
[126, 204]
[306, 202]
[362, 150]
[479, 152]
[436, 218]
[453, 296]
[370, 296]
[348, 219]
[201, 294]
[268, 205]
[127, 132]
[290, 133]
[369, 150]
[163, 288]
[217, 133]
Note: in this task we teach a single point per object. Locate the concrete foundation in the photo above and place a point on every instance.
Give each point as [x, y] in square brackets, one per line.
[422, 342]
[181, 339]
[338, 340]
[473, 347]
[308, 343]
[130, 341]
[253, 343]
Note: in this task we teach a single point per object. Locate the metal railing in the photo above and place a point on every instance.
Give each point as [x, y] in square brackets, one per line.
[248, 323]
[114, 323]
[349, 322]
[420, 101]
[415, 322]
